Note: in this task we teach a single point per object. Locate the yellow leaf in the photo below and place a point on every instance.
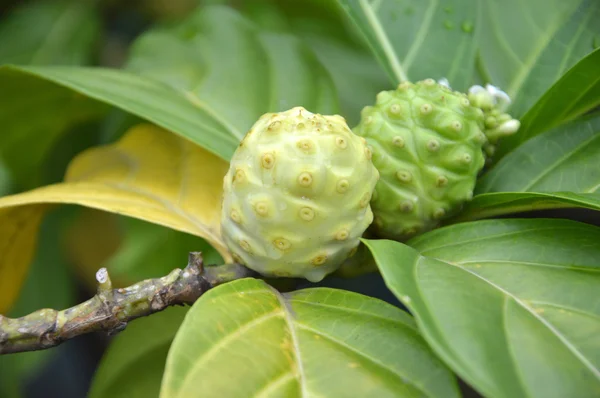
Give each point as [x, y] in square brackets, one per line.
[150, 174]
[90, 240]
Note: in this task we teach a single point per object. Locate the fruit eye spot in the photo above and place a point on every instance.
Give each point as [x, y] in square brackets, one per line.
[404, 176]
[274, 127]
[369, 120]
[305, 145]
[465, 102]
[342, 185]
[433, 145]
[466, 158]
[398, 141]
[409, 231]
[282, 243]
[267, 160]
[395, 109]
[456, 126]
[307, 214]
[235, 216]
[426, 109]
[262, 209]
[342, 234]
[305, 179]
[341, 142]
[319, 260]
[364, 201]
[406, 206]
[439, 213]
[239, 176]
[245, 245]
[300, 126]
[368, 153]
[442, 181]
[429, 82]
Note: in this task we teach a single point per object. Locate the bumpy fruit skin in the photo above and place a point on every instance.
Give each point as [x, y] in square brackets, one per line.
[296, 196]
[427, 144]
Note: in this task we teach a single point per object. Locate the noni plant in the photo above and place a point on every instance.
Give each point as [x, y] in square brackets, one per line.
[340, 198]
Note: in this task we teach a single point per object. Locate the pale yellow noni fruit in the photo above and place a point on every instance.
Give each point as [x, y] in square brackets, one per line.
[296, 196]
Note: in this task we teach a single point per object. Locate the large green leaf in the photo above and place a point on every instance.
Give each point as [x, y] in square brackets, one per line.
[575, 93]
[499, 203]
[42, 33]
[336, 42]
[49, 32]
[207, 79]
[225, 64]
[511, 305]
[314, 342]
[34, 113]
[420, 39]
[564, 159]
[525, 46]
[134, 363]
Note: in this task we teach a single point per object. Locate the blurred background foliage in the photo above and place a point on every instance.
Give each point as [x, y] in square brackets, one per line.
[73, 241]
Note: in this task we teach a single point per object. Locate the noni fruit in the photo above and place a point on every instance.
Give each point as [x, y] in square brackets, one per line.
[427, 144]
[297, 195]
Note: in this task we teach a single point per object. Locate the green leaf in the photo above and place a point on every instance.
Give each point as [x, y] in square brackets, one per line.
[42, 33]
[575, 93]
[419, 40]
[324, 27]
[134, 363]
[5, 179]
[314, 342]
[34, 114]
[500, 203]
[511, 305]
[348, 64]
[525, 46]
[563, 159]
[223, 62]
[49, 32]
[208, 80]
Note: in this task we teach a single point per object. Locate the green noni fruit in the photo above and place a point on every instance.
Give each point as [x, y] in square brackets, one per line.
[427, 144]
[297, 193]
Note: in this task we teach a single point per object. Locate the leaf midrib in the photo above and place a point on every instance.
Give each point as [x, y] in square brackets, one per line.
[537, 316]
[364, 355]
[387, 47]
[214, 349]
